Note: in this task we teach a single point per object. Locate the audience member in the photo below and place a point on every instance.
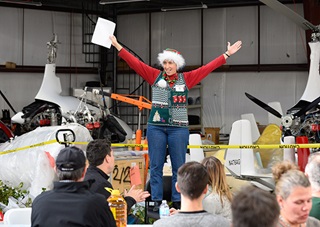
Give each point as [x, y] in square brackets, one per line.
[192, 183]
[254, 207]
[218, 197]
[101, 164]
[312, 171]
[294, 194]
[70, 203]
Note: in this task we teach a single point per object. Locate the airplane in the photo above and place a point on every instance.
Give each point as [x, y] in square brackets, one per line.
[244, 164]
[302, 120]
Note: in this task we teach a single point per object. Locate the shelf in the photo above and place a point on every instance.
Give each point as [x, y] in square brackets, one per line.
[194, 106]
[195, 127]
[40, 69]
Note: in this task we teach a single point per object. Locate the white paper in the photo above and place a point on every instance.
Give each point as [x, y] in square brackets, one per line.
[103, 30]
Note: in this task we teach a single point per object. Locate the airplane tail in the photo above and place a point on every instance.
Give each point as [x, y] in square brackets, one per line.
[243, 163]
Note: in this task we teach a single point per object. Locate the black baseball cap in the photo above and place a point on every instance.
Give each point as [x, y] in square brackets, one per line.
[70, 159]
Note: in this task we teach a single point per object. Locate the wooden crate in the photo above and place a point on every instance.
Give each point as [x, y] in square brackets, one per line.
[120, 176]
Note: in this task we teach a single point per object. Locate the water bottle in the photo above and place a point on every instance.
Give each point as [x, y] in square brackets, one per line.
[118, 207]
[164, 209]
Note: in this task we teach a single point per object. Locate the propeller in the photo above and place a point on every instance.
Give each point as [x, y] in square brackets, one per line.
[296, 18]
[287, 119]
[263, 105]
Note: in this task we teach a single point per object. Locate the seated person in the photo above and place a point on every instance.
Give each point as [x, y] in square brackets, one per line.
[70, 203]
[101, 164]
[312, 171]
[252, 207]
[192, 183]
[219, 196]
[294, 195]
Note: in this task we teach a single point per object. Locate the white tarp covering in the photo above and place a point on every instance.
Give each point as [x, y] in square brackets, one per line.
[22, 162]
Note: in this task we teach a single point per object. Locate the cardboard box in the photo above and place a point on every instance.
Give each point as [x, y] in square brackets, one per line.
[120, 176]
[212, 134]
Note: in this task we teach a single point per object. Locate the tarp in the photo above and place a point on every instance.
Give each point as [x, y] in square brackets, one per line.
[27, 158]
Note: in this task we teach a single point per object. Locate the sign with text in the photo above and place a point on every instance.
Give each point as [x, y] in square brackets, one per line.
[120, 176]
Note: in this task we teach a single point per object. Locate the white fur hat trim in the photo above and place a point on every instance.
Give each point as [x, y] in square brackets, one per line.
[173, 55]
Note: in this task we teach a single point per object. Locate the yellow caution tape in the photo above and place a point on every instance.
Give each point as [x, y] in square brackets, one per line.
[38, 145]
[217, 146]
[240, 146]
[28, 147]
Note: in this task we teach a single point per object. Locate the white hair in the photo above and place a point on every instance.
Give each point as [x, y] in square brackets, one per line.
[312, 170]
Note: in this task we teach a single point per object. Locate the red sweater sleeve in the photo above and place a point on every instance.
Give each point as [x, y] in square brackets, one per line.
[193, 77]
[145, 71]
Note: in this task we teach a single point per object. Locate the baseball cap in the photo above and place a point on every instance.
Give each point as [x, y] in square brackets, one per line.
[70, 159]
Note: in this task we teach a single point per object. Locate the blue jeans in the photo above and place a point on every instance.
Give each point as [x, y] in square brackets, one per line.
[177, 139]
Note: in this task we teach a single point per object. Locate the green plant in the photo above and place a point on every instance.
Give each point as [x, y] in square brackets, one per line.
[16, 192]
[139, 211]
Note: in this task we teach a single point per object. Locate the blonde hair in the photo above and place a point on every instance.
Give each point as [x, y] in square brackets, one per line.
[288, 176]
[217, 177]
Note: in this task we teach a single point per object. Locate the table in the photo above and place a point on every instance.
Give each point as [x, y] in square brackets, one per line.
[5, 225]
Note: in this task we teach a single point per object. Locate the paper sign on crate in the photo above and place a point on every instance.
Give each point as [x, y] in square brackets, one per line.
[120, 176]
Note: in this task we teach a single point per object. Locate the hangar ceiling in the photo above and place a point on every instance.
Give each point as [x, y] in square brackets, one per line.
[127, 7]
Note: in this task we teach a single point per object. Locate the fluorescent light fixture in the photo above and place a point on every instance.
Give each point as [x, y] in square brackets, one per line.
[165, 9]
[22, 2]
[105, 2]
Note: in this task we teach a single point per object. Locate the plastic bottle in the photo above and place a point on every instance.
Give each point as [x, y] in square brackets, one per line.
[164, 209]
[118, 207]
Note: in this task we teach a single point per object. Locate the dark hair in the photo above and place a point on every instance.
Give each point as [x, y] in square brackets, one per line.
[97, 150]
[74, 175]
[192, 179]
[252, 207]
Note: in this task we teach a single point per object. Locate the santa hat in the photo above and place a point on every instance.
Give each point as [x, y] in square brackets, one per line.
[173, 55]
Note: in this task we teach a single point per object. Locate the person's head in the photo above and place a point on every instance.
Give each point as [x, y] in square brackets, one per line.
[192, 180]
[293, 191]
[70, 164]
[312, 171]
[99, 152]
[171, 61]
[252, 207]
[217, 177]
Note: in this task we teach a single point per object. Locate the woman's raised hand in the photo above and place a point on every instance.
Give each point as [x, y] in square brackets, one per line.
[234, 48]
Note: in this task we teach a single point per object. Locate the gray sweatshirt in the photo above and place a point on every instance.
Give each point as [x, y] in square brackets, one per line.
[192, 219]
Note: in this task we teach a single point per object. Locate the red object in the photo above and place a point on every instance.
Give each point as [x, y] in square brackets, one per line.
[184, 99]
[96, 124]
[1, 215]
[315, 127]
[6, 130]
[89, 126]
[51, 160]
[44, 122]
[175, 98]
[303, 153]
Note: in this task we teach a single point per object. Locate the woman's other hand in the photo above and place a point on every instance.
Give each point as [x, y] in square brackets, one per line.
[115, 43]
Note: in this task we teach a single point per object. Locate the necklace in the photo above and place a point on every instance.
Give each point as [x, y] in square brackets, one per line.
[283, 223]
[170, 81]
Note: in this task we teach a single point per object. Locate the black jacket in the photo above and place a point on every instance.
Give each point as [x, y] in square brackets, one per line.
[101, 181]
[71, 204]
